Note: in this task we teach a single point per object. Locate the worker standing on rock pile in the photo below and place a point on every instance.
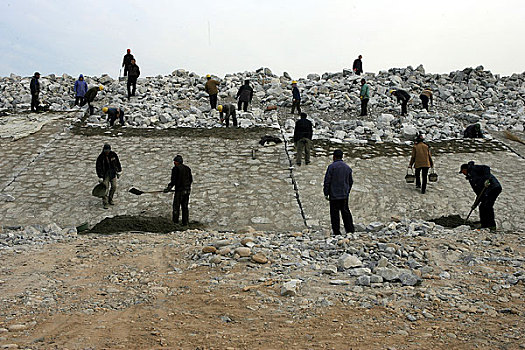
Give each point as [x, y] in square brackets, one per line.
[245, 95]
[487, 189]
[133, 75]
[225, 112]
[212, 89]
[422, 160]
[182, 179]
[473, 132]
[108, 170]
[127, 61]
[403, 97]
[296, 98]
[358, 65]
[365, 97]
[337, 185]
[113, 114]
[81, 88]
[302, 137]
[34, 86]
[90, 97]
[425, 96]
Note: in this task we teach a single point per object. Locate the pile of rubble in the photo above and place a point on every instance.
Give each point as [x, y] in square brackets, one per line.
[331, 100]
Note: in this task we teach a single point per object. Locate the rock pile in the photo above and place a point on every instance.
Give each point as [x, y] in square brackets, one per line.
[332, 101]
[18, 237]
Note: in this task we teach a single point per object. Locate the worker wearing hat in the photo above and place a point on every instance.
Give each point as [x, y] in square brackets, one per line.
[296, 98]
[108, 170]
[211, 88]
[114, 113]
[127, 61]
[487, 189]
[182, 179]
[225, 111]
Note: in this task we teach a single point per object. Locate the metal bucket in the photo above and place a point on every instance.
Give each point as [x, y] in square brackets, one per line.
[410, 178]
[99, 190]
[432, 177]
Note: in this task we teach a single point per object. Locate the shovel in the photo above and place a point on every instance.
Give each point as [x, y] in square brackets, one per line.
[139, 192]
[476, 202]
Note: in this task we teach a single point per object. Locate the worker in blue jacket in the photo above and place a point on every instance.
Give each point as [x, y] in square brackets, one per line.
[337, 185]
[81, 88]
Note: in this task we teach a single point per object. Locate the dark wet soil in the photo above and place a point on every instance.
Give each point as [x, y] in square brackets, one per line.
[126, 223]
[452, 221]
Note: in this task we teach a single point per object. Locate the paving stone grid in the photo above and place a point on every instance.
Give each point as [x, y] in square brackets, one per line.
[50, 175]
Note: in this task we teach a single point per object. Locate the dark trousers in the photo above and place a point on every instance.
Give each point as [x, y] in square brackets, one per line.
[181, 200]
[213, 101]
[132, 81]
[404, 107]
[364, 106]
[423, 184]
[336, 206]
[112, 119]
[424, 101]
[126, 68]
[34, 102]
[296, 103]
[78, 100]
[90, 107]
[244, 105]
[227, 119]
[486, 208]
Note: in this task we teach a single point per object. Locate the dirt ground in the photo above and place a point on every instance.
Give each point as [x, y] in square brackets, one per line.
[140, 291]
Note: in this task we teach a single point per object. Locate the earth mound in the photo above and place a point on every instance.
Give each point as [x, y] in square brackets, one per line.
[125, 223]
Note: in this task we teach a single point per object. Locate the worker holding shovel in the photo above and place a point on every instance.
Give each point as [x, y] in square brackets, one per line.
[487, 189]
[181, 178]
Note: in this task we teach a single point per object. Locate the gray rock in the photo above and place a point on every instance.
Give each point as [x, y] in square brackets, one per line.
[347, 261]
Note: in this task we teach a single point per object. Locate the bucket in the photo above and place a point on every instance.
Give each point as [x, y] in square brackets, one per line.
[410, 178]
[99, 190]
[432, 177]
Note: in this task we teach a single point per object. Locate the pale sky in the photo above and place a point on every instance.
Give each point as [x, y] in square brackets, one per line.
[229, 36]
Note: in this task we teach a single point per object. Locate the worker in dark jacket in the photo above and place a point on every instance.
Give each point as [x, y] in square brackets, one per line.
[108, 170]
[337, 185]
[427, 95]
[487, 189]
[296, 98]
[302, 137]
[403, 97]
[358, 65]
[473, 132]
[225, 111]
[127, 61]
[182, 179]
[34, 85]
[212, 90]
[245, 95]
[133, 75]
[113, 114]
[81, 88]
[90, 97]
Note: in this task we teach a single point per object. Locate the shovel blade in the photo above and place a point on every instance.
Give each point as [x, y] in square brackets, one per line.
[135, 191]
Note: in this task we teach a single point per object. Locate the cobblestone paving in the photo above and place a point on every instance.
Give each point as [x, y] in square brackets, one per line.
[51, 173]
